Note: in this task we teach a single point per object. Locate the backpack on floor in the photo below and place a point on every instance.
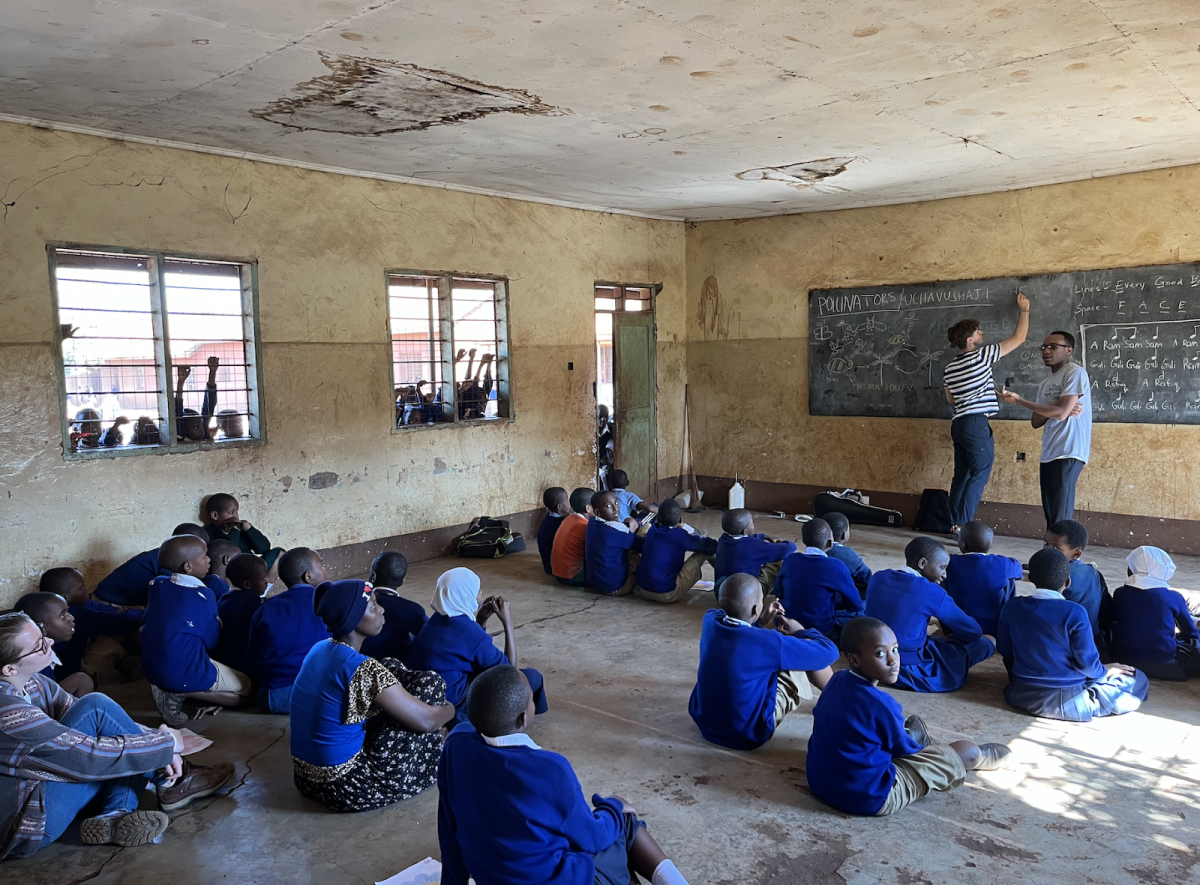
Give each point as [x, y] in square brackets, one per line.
[854, 510]
[489, 538]
[933, 513]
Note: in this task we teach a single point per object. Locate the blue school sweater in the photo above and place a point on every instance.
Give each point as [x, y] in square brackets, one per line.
[980, 584]
[403, 620]
[236, 610]
[905, 601]
[546, 532]
[663, 554]
[858, 569]
[1087, 588]
[812, 585]
[92, 619]
[456, 648]
[606, 555]
[320, 699]
[129, 582]
[1144, 622]
[282, 632]
[516, 815]
[733, 703]
[180, 629]
[748, 554]
[857, 730]
[1048, 643]
[627, 502]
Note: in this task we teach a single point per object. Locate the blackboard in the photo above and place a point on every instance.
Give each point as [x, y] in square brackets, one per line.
[881, 350]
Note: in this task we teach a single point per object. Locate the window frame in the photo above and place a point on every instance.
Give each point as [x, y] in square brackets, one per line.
[156, 258]
[502, 366]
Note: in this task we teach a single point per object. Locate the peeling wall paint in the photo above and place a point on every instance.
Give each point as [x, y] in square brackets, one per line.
[332, 471]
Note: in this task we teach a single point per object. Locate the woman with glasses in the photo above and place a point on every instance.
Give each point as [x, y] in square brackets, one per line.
[60, 756]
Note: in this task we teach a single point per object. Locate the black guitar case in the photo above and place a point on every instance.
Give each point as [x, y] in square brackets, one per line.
[856, 511]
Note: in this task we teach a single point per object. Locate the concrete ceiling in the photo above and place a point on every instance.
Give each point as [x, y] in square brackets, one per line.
[696, 109]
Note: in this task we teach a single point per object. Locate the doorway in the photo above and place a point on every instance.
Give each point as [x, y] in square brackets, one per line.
[626, 386]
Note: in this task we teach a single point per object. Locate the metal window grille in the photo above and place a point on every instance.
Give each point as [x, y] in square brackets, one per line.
[450, 362]
[142, 335]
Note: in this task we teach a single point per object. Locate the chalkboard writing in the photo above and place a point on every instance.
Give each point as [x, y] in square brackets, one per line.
[881, 350]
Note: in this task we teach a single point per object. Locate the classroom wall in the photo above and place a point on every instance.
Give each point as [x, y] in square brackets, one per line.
[748, 284]
[323, 242]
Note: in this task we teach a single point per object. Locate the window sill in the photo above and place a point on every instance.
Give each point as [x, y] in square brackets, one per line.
[445, 425]
[179, 449]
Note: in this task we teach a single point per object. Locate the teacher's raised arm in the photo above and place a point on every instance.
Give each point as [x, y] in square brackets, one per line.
[971, 390]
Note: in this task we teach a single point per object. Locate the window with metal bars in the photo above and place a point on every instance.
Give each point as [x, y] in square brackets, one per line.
[158, 352]
[449, 349]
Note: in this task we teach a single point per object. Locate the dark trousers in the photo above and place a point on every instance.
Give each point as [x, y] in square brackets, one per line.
[974, 452]
[1058, 488]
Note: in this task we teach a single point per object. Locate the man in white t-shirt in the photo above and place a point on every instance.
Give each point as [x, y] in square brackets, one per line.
[1064, 409]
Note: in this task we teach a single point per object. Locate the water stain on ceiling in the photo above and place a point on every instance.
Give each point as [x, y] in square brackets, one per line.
[813, 173]
[371, 97]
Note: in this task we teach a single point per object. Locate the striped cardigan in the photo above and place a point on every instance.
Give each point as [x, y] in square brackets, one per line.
[35, 748]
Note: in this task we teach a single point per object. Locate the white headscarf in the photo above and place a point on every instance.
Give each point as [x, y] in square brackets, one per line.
[1151, 568]
[457, 593]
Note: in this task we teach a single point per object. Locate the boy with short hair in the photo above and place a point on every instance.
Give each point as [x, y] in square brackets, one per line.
[755, 667]
[101, 629]
[49, 611]
[666, 571]
[130, 581]
[612, 549]
[568, 558]
[840, 526]
[739, 549]
[226, 524]
[247, 577]
[905, 599]
[180, 631]
[220, 554]
[1087, 586]
[285, 628]
[864, 757]
[1054, 671]
[558, 505]
[403, 618]
[629, 503]
[815, 588]
[509, 811]
[1152, 628]
[980, 582]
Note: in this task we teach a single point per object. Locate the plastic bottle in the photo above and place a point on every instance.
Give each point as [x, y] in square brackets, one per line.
[737, 495]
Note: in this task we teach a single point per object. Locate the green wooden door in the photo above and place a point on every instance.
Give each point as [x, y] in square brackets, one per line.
[634, 392]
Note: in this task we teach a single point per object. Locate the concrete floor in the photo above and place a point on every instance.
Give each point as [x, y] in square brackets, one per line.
[1114, 801]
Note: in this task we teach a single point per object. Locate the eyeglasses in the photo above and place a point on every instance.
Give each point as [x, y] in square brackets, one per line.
[1052, 346]
[41, 648]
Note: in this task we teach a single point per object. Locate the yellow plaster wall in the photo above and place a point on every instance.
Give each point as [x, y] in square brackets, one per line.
[323, 243]
[748, 328]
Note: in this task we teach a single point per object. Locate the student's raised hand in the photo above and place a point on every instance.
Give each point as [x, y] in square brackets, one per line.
[1022, 301]
[182, 373]
[214, 363]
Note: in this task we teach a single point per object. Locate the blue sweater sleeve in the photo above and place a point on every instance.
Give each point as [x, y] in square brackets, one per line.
[807, 650]
[846, 589]
[1083, 646]
[485, 654]
[454, 870]
[892, 736]
[1183, 617]
[962, 625]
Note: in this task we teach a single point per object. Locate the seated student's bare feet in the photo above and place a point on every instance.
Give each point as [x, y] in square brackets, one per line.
[991, 757]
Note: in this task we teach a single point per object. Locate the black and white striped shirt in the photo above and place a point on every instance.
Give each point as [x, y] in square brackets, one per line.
[968, 377]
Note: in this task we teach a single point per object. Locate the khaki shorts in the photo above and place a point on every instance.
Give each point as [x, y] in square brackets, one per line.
[793, 687]
[229, 679]
[689, 574]
[938, 768]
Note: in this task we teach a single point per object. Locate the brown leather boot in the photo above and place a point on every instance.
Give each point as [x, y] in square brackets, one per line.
[196, 782]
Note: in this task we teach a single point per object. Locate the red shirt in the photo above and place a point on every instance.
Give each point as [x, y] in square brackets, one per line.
[566, 559]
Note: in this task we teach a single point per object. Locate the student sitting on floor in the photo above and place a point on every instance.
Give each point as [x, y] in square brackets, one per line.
[454, 643]
[864, 757]
[365, 733]
[612, 548]
[840, 526]
[1053, 668]
[558, 506]
[102, 631]
[815, 588]
[628, 503]
[1087, 586]
[509, 811]
[755, 667]
[403, 618]
[739, 549]
[180, 631]
[980, 582]
[64, 758]
[224, 523]
[905, 599]
[247, 577]
[285, 628]
[50, 612]
[568, 556]
[666, 571]
[130, 581]
[1147, 613]
[220, 554]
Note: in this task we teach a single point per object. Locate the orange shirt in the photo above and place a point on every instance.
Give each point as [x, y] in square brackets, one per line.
[566, 559]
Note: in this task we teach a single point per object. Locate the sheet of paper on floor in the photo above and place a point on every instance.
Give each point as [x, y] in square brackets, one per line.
[427, 872]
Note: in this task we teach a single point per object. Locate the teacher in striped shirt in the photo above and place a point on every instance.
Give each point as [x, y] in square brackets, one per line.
[972, 391]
